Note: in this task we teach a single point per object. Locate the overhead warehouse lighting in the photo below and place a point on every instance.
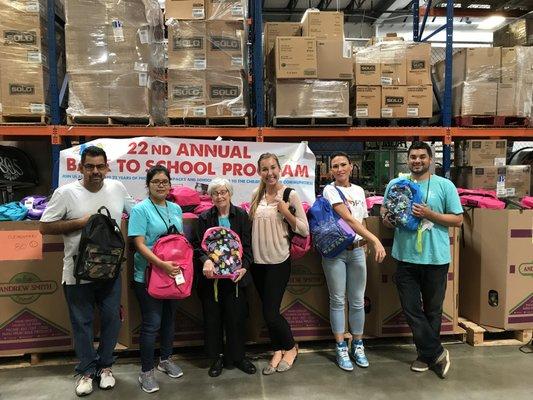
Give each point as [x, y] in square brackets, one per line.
[491, 22]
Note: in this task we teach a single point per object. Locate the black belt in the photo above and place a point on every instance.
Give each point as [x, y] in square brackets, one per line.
[356, 245]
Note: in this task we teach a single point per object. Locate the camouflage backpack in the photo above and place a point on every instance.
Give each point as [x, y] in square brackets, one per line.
[101, 250]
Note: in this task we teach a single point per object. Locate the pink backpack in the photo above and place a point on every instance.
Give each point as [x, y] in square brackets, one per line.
[184, 196]
[203, 206]
[527, 202]
[245, 206]
[173, 247]
[224, 247]
[480, 198]
[372, 201]
[300, 245]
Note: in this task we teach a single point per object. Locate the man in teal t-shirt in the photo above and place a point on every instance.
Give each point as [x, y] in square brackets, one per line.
[422, 271]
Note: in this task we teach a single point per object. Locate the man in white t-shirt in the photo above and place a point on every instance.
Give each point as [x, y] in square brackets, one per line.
[67, 213]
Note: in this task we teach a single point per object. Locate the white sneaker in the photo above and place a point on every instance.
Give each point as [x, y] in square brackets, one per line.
[107, 380]
[84, 386]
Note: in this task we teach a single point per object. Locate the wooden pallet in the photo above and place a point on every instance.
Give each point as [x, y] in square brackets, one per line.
[108, 120]
[492, 121]
[209, 121]
[391, 122]
[312, 121]
[24, 119]
[480, 335]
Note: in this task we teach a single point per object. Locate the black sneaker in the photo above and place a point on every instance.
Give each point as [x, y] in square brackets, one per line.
[216, 368]
[246, 366]
[419, 366]
[442, 365]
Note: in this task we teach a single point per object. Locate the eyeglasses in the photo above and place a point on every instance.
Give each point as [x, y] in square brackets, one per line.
[99, 167]
[222, 192]
[157, 182]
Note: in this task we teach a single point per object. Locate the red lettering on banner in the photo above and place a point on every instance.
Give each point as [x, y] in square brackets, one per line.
[133, 166]
[237, 169]
[182, 150]
[287, 171]
[298, 171]
[120, 164]
[226, 167]
[161, 149]
[250, 169]
[138, 148]
[245, 153]
[184, 167]
[215, 151]
[71, 164]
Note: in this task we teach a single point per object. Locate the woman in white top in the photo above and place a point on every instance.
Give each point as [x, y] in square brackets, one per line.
[346, 273]
[270, 217]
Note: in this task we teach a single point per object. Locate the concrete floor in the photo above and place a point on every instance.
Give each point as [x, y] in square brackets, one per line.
[476, 373]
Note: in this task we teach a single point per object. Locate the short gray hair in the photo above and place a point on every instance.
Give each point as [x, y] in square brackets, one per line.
[217, 183]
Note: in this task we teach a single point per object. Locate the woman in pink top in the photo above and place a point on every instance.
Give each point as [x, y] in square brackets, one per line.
[270, 217]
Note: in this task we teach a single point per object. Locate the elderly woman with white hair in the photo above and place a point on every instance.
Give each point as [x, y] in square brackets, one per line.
[224, 313]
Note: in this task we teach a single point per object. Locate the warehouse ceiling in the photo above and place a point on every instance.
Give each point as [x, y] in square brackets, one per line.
[379, 11]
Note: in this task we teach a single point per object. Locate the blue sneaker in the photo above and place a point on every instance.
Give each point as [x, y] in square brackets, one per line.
[342, 357]
[357, 352]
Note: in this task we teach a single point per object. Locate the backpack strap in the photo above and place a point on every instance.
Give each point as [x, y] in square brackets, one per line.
[343, 197]
[286, 193]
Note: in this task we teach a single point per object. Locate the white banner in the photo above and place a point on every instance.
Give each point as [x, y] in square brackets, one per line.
[195, 163]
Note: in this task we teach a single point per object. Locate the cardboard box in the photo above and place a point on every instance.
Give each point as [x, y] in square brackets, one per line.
[34, 317]
[187, 94]
[295, 57]
[393, 64]
[516, 65]
[225, 94]
[312, 98]
[479, 64]
[508, 65]
[226, 45]
[187, 46]
[331, 60]
[24, 88]
[226, 10]
[305, 304]
[20, 41]
[475, 98]
[129, 95]
[509, 181]
[367, 67]
[386, 317]
[419, 101]
[367, 101]
[87, 48]
[418, 60]
[496, 268]
[514, 99]
[185, 9]
[274, 29]
[393, 101]
[89, 94]
[323, 24]
[488, 152]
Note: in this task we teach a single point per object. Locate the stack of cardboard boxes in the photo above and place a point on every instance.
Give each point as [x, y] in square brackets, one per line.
[481, 164]
[490, 81]
[110, 45]
[309, 66]
[206, 58]
[24, 71]
[393, 80]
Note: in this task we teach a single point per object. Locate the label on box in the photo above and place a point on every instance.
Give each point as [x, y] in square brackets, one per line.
[118, 32]
[361, 112]
[386, 112]
[142, 67]
[32, 6]
[37, 108]
[412, 111]
[0, 108]
[144, 37]
[143, 78]
[200, 63]
[346, 49]
[236, 61]
[34, 57]
[510, 192]
[499, 162]
[386, 80]
[199, 111]
[198, 13]
[237, 111]
[237, 10]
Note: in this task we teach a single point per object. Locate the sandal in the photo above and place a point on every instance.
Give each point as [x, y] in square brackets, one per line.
[270, 369]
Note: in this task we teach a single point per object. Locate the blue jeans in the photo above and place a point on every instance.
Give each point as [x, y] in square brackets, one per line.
[422, 289]
[81, 300]
[157, 316]
[346, 277]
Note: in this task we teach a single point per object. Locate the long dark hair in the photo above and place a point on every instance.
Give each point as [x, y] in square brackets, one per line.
[156, 169]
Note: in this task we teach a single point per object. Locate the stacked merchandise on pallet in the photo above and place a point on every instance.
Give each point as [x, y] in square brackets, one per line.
[111, 58]
[393, 79]
[206, 60]
[490, 82]
[481, 164]
[517, 33]
[24, 66]
[310, 75]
